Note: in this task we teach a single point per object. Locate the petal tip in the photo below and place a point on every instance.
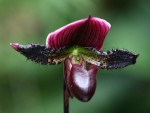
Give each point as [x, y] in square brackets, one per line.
[89, 17]
[15, 46]
[108, 24]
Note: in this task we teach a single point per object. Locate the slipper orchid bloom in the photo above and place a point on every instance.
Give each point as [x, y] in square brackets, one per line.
[77, 44]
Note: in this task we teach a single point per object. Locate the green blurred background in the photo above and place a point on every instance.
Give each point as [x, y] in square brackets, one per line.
[26, 87]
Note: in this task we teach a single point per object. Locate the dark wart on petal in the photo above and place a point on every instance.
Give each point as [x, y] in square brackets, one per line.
[111, 59]
[34, 52]
[41, 54]
[120, 59]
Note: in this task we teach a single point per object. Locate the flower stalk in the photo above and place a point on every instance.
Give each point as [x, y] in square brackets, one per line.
[65, 93]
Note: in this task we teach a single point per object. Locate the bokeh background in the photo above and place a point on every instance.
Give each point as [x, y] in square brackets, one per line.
[26, 87]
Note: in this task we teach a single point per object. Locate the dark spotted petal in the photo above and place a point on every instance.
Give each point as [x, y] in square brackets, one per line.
[35, 52]
[88, 32]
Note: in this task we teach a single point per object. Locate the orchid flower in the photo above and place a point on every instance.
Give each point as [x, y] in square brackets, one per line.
[76, 45]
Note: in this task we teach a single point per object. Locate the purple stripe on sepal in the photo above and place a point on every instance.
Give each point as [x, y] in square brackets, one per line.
[88, 32]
